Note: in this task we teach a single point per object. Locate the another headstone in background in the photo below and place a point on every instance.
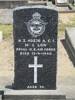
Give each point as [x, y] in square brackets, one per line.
[72, 1]
[1, 36]
[38, 2]
[70, 42]
[61, 2]
[35, 40]
[9, 4]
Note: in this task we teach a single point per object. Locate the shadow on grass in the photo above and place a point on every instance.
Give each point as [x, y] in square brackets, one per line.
[71, 56]
[10, 86]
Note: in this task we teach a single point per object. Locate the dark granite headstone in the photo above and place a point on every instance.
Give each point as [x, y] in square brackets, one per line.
[35, 44]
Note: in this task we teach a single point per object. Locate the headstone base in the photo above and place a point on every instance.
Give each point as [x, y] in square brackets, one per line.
[22, 87]
[33, 95]
[62, 4]
[70, 43]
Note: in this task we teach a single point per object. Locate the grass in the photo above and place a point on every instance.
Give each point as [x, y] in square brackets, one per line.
[62, 25]
[7, 30]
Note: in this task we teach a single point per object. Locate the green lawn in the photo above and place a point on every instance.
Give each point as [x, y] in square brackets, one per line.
[62, 26]
[7, 30]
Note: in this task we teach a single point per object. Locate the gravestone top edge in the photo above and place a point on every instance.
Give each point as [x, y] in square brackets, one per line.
[70, 31]
[71, 35]
[70, 28]
[35, 6]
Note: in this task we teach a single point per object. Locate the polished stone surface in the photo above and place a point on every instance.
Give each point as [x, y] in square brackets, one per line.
[35, 40]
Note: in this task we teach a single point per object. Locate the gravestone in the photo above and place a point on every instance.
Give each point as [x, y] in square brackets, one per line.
[35, 47]
[72, 1]
[37, 2]
[70, 42]
[61, 2]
